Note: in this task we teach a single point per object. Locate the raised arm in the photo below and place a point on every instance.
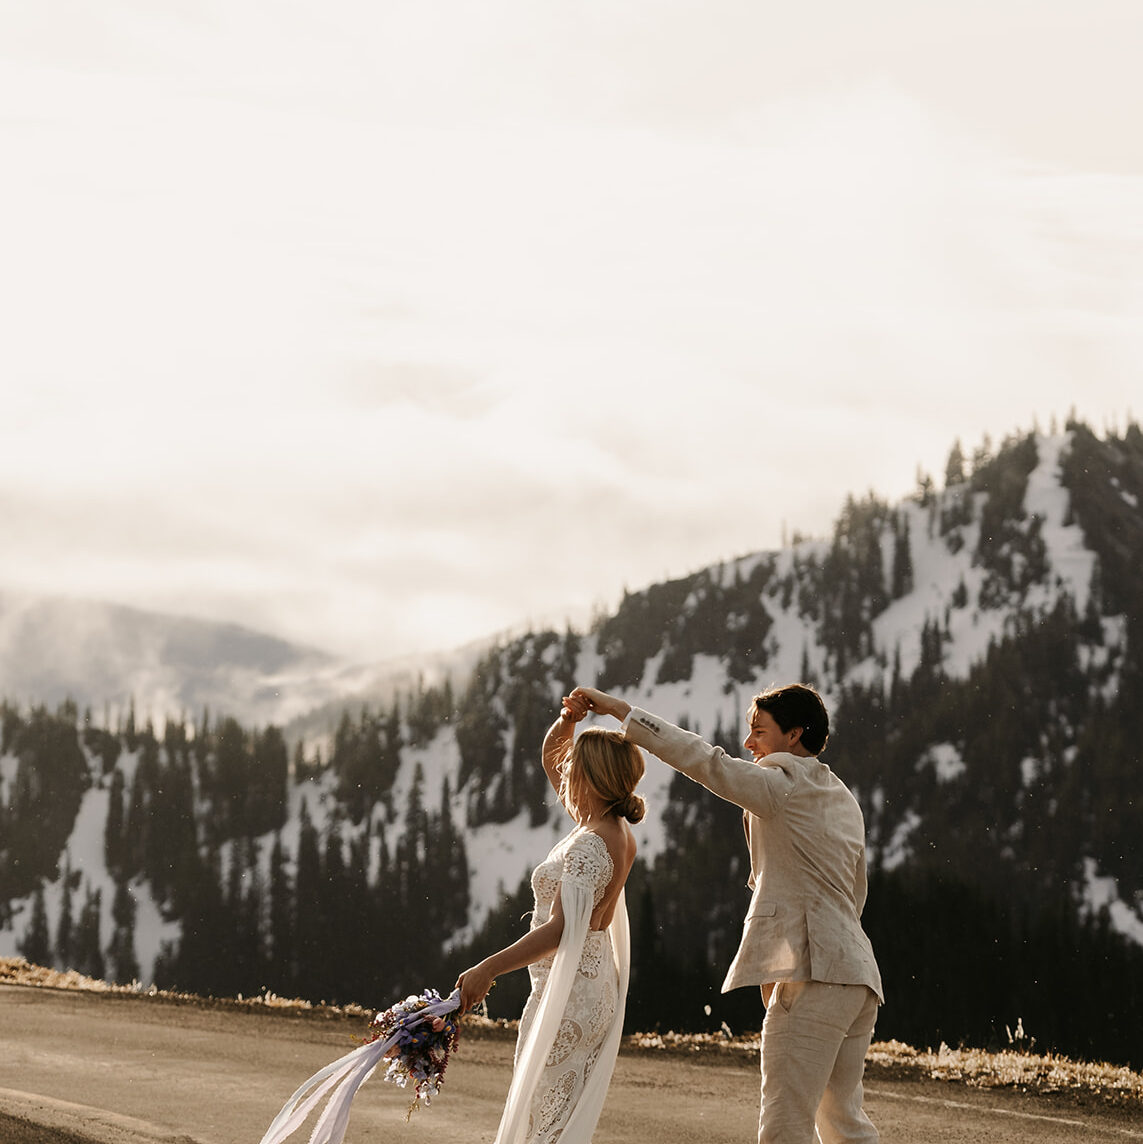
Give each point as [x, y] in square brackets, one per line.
[559, 738]
[555, 749]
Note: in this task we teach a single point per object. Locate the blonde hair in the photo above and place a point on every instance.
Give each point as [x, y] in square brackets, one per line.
[602, 762]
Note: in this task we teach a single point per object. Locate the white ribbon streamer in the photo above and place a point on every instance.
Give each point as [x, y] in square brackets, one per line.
[345, 1076]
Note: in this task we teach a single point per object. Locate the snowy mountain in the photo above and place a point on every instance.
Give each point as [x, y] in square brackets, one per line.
[980, 647]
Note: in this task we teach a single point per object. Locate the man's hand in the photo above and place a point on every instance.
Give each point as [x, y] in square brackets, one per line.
[600, 702]
[575, 708]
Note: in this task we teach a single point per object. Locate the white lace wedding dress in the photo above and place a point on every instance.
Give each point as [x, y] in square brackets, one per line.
[571, 1025]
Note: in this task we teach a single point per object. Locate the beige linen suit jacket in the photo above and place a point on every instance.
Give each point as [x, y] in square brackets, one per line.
[807, 859]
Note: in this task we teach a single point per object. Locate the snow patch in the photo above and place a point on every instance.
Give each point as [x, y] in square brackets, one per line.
[501, 854]
[945, 760]
[438, 760]
[9, 764]
[937, 573]
[898, 851]
[1030, 769]
[1101, 891]
[1047, 498]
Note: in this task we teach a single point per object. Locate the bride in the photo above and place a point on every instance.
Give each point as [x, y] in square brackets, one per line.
[578, 948]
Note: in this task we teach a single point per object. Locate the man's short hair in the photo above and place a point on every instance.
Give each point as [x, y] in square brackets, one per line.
[797, 705]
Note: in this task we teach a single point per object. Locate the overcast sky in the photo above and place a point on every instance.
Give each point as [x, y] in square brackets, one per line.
[384, 327]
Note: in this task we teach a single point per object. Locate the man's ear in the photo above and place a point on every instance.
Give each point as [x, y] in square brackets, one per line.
[797, 735]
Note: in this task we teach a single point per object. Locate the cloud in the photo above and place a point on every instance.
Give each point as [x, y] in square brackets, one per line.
[389, 357]
[441, 391]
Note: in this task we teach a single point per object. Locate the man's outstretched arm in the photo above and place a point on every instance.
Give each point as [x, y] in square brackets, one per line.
[760, 789]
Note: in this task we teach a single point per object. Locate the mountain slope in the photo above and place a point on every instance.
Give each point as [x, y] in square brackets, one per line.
[980, 651]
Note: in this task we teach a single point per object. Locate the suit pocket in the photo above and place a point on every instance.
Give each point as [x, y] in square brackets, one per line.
[787, 992]
[763, 910]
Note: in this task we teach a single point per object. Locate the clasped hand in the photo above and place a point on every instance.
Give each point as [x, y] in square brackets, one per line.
[574, 707]
[474, 985]
[592, 699]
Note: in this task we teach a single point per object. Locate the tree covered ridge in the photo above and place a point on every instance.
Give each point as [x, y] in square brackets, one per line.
[992, 790]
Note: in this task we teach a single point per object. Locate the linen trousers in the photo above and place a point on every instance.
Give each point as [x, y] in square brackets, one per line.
[814, 1040]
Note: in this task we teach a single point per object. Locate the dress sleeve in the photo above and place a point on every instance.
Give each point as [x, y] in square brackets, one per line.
[588, 865]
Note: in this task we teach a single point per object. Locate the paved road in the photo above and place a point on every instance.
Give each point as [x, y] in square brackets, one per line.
[78, 1067]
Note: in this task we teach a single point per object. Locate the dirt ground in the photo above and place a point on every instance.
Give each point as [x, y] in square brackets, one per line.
[82, 1068]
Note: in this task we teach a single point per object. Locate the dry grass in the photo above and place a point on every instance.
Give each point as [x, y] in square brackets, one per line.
[1024, 1072]
[1017, 1071]
[17, 971]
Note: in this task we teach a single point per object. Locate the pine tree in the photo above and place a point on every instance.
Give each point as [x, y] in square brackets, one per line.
[391, 744]
[172, 857]
[121, 951]
[230, 780]
[338, 915]
[113, 846]
[451, 883]
[137, 830]
[281, 971]
[300, 769]
[648, 963]
[130, 734]
[43, 797]
[37, 943]
[414, 899]
[982, 455]
[480, 726]
[244, 907]
[530, 708]
[924, 488]
[954, 467]
[895, 681]
[567, 665]
[416, 821]
[366, 757]
[959, 598]
[267, 796]
[88, 948]
[902, 558]
[201, 959]
[64, 927]
[383, 908]
[309, 919]
[203, 739]
[364, 930]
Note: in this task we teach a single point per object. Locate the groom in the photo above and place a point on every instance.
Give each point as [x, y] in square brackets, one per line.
[802, 941]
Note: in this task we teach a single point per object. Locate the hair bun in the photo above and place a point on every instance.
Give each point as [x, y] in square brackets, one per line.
[633, 808]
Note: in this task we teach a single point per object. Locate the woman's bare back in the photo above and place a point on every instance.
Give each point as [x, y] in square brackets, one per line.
[620, 843]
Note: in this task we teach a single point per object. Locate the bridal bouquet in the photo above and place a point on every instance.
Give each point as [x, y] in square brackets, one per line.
[421, 1045]
[417, 1036]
